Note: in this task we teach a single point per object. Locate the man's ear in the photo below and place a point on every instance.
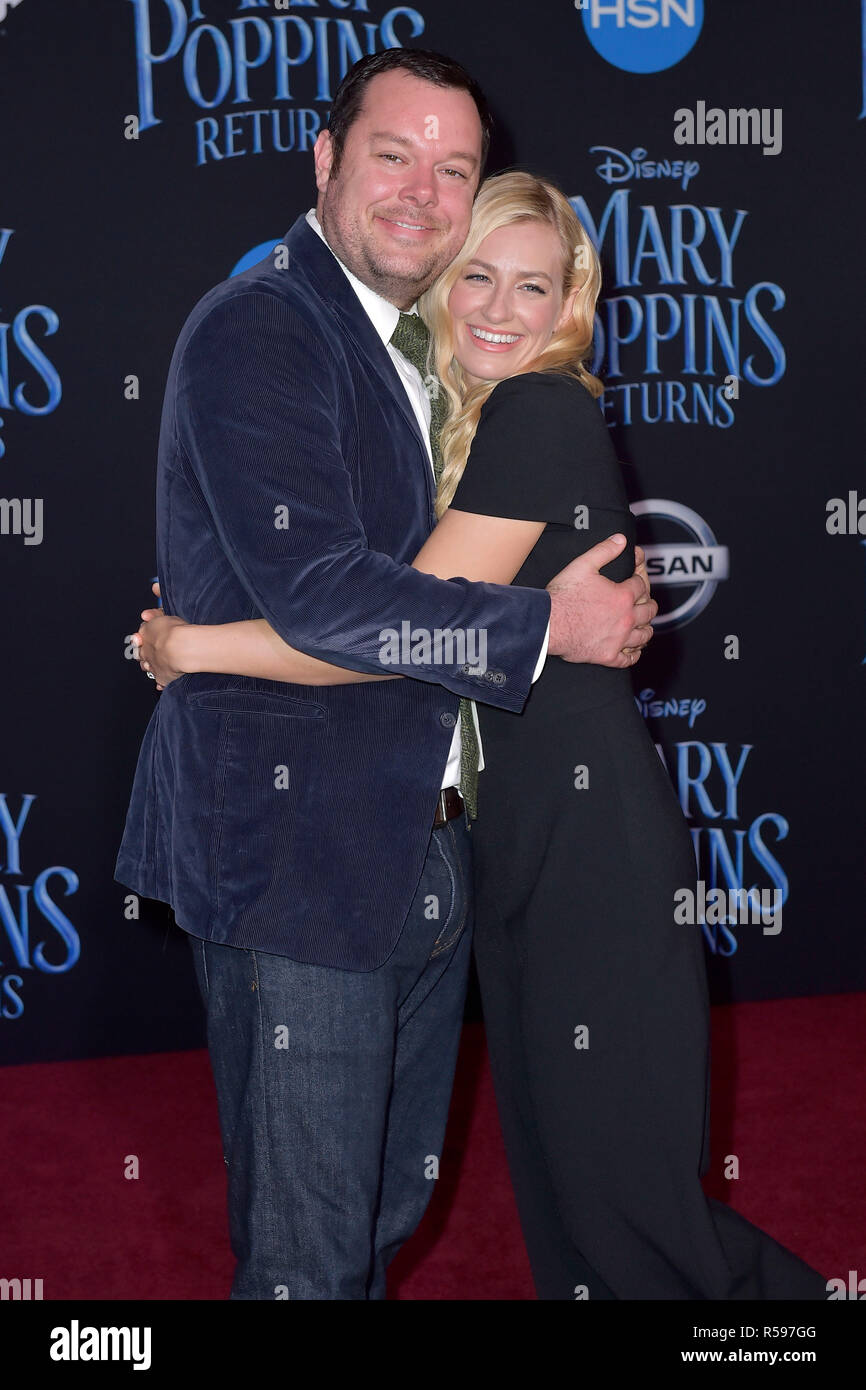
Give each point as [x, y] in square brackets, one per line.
[323, 158]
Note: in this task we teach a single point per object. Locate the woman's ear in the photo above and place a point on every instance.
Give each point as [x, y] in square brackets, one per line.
[567, 310]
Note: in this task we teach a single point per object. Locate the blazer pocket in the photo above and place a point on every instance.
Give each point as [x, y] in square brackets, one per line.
[255, 702]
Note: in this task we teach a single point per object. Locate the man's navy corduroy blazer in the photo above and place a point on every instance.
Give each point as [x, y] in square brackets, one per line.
[294, 484]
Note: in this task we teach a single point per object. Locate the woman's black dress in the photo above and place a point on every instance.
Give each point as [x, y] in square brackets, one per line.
[595, 1000]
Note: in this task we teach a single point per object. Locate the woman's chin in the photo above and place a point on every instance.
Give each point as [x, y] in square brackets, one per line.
[479, 372]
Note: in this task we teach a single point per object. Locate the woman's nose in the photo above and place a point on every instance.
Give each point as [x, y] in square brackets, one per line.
[498, 305]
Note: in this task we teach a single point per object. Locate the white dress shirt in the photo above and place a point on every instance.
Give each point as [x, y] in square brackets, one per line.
[384, 317]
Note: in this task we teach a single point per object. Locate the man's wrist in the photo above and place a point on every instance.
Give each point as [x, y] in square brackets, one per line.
[566, 639]
[554, 632]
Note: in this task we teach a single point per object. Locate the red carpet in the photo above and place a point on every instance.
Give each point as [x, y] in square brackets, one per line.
[788, 1086]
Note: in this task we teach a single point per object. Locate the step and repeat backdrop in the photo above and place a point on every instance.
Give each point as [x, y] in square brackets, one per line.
[715, 152]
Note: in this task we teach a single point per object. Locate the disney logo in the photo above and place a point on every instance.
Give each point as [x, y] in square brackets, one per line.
[619, 167]
[651, 708]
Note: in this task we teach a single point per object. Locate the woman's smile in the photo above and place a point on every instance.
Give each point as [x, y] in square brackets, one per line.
[493, 339]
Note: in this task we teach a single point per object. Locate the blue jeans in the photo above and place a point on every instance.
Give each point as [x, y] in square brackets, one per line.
[333, 1090]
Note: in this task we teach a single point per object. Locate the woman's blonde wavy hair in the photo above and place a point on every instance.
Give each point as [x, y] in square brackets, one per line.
[503, 199]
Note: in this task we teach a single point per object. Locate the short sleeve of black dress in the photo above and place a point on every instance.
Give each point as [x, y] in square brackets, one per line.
[540, 452]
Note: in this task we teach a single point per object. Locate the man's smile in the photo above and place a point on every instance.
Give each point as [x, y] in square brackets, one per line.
[413, 229]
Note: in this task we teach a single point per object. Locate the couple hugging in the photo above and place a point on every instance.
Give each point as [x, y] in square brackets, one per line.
[389, 426]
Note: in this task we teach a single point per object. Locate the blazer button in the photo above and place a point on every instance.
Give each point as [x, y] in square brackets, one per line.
[499, 677]
[448, 720]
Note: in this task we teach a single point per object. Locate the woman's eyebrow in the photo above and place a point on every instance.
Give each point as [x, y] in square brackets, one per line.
[523, 274]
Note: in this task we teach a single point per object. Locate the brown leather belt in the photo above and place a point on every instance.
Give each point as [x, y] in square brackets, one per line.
[449, 805]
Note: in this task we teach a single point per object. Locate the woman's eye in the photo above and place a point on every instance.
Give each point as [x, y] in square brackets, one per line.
[538, 289]
[476, 275]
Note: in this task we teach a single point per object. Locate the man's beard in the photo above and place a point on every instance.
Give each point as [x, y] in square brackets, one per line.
[370, 262]
[382, 272]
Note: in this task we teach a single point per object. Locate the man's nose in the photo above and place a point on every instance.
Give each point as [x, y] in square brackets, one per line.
[419, 187]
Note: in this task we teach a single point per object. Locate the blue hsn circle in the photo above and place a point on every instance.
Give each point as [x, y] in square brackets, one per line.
[643, 35]
[253, 257]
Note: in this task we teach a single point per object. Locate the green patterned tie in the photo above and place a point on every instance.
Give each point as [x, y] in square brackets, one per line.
[411, 337]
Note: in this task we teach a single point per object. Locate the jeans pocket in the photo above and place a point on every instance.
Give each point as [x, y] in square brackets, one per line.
[455, 918]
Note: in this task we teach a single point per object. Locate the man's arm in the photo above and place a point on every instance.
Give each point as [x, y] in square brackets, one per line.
[168, 647]
[257, 429]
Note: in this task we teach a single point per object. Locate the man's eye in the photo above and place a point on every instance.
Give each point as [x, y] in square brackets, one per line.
[458, 173]
[390, 156]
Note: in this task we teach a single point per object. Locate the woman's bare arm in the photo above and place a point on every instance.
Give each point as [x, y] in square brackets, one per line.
[475, 547]
[463, 544]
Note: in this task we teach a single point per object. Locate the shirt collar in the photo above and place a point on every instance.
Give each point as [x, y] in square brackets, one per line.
[383, 315]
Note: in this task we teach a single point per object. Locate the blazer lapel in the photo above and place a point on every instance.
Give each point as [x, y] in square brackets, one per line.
[333, 287]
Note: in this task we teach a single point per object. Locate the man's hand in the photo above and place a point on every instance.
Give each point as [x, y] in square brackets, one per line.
[593, 619]
[639, 566]
[640, 570]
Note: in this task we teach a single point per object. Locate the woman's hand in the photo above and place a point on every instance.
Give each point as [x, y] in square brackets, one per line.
[156, 646]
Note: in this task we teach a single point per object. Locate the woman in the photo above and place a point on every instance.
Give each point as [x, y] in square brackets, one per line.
[595, 1000]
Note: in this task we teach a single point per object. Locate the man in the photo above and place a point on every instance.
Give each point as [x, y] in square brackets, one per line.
[312, 840]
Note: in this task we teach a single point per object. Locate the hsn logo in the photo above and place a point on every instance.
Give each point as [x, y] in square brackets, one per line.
[253, 257]
[642, 35]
